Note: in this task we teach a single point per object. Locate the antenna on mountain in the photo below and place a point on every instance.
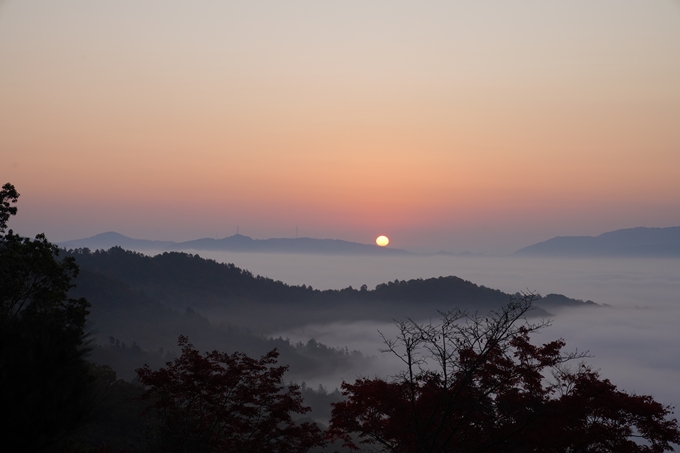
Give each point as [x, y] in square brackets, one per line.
[295, 231]
[236, 229]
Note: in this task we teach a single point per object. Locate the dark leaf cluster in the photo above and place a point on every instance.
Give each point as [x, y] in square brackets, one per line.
[44, 383]
[478, 384]
[217, 402]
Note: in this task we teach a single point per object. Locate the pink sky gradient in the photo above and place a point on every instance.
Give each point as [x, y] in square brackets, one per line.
[482, 126]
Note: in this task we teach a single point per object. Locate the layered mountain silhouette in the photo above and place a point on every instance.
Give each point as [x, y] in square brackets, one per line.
[145, 302]
[631, 242]
[176, 280]
[235, 243]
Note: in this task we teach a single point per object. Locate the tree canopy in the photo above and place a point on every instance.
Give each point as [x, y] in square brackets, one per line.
[8, 197]
[219, 402]
[477, 383]
[43, 376]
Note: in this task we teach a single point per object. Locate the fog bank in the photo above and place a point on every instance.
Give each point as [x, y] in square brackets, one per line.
[634, 342]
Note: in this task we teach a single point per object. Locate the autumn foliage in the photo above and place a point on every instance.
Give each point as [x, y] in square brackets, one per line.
[223, 403]
[473, 384]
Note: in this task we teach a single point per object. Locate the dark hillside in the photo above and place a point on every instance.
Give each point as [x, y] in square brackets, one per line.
[227, 293]
[447, 291]
[186, 279]
[141, 304]
[132, 328]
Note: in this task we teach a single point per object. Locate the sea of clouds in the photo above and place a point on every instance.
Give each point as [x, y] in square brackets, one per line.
[634, 341]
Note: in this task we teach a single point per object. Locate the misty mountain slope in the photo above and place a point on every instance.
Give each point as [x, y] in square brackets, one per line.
[180, 280]
[632, 242]
[224, 292]
[141, 304]
[131, 327]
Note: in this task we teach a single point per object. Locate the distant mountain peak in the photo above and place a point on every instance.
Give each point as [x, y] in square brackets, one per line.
[629, 242]
[235, 243]
[109, 234]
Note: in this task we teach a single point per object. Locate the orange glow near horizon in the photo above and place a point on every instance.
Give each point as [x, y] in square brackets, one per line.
[460, 119]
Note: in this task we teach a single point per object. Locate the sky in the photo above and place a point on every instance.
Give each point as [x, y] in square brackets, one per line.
[479, 126]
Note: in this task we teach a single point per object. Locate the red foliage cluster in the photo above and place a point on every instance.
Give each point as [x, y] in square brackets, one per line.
[480, 385]
[220, 402]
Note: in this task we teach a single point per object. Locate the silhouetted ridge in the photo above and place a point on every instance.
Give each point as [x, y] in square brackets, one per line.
[131, 328]
[147, 301]
[235, 243]
[632, 242]
[179, 280]
[203, 281]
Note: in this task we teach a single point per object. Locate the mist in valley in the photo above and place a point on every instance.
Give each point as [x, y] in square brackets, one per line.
[633, 337]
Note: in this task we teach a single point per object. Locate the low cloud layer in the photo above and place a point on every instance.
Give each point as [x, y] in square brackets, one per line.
[633, 342]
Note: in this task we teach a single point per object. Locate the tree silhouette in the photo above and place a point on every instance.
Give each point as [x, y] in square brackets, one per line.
[222, 403]
[474, 384]
[43, 377]
[8, 197]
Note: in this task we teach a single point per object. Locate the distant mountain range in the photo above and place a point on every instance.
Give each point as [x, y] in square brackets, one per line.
[632, 242]
[235, 243]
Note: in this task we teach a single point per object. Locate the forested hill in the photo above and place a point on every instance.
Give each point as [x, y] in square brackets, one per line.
[130, 328]
[181, 280]
[147, 302]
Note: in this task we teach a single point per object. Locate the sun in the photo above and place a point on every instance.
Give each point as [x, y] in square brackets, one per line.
[382, 241]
